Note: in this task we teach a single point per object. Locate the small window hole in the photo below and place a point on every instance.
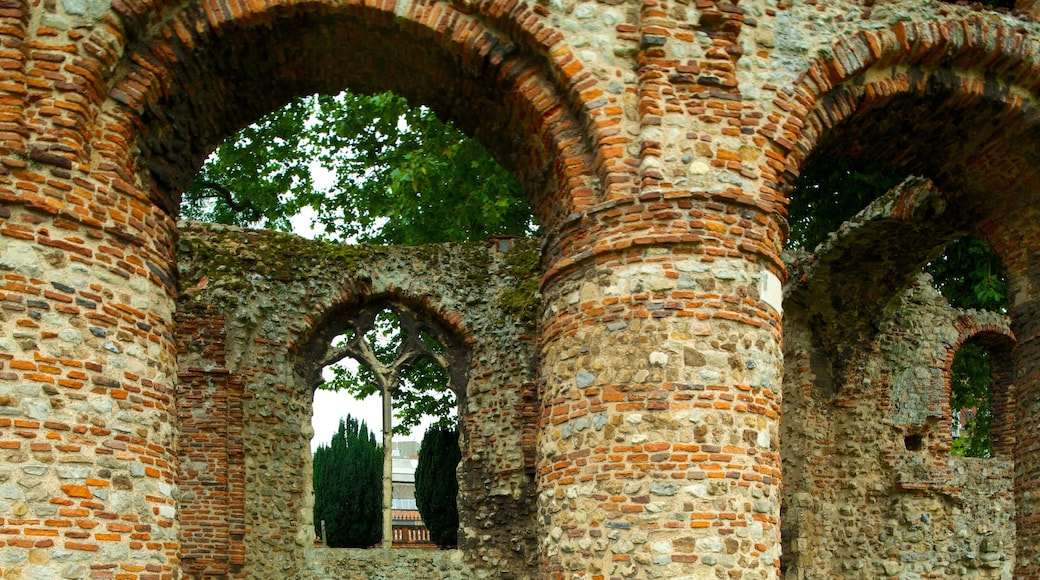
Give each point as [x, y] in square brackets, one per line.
[913, 442]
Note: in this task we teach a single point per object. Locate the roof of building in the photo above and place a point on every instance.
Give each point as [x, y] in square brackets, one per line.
[410, 515]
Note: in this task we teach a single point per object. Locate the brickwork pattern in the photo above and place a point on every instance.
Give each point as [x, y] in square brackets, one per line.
[87, 426]
[211, 450]
[248, 344]
[656, 141]
[648, 459]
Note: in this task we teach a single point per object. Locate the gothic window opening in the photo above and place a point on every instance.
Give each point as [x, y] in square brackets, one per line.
[416, 370]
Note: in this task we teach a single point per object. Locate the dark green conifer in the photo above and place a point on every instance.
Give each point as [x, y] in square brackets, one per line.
[436, 486]
[347, 488]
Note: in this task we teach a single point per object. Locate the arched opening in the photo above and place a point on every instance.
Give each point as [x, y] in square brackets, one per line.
[982, 407]
[971, 397]
[865, 338]
[210, 78]
[417, 370]
[359, 168]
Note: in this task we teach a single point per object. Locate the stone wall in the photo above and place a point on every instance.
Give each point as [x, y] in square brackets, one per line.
[656, 141]
[323, 563]
[871, 489]
[253, 308]
[87, 410]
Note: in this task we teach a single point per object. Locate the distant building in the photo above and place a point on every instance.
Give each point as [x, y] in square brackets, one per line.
[409, 530]
[961, 418]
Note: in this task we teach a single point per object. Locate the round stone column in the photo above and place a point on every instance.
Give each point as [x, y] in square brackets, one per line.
[87, 371]
[1027, 436]
[659, 446]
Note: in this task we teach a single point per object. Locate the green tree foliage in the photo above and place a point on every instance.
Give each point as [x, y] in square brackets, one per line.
[260, 176]
[424, 387]
[399, 175]
[436, 486]
[971, 388]
[968, 274]
[830, 192]
[347, 487]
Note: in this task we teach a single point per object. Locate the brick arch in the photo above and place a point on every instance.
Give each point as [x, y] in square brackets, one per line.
[992, 332]
[498, 70]
[979, 74]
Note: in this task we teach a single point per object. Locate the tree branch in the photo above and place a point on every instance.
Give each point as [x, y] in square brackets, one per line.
[225, 194]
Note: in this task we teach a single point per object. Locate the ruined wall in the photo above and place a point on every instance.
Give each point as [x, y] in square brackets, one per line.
[251, 305]
[655, 140]
[871, 489]
[399, 563]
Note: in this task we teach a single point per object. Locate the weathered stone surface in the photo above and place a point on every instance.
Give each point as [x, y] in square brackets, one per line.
[871, 489]
[656, 141]
[256, 315]
[399, 563]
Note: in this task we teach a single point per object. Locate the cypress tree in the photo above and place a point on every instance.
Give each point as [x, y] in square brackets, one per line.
[347, 488]
[436, 487]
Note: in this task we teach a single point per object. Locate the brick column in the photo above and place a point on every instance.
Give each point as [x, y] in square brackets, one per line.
[86, 376]
[659, 445]
[1027, 436]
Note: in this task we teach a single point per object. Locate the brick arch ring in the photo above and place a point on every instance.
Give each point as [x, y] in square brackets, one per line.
[857, 75]
[990, 328]
[504, 52]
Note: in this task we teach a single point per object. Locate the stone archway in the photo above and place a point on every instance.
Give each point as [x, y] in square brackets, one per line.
[250, 345]
[954, 102]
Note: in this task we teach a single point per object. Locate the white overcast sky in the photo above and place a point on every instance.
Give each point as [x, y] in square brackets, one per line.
[330, 407]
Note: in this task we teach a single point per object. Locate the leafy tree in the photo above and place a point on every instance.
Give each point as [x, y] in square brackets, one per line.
[399, 359]
[347, 491]
[422, 389]
[969, 274]
[260, 176]
[971, 388]
[830, 192]
[399, 175]
[436, 486]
